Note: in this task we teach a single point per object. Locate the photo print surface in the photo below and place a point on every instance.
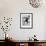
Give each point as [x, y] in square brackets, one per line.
[26, 20]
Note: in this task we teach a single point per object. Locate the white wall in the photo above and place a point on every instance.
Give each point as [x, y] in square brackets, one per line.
[13, 8]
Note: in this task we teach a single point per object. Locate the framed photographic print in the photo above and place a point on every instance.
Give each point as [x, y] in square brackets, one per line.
[26, 20]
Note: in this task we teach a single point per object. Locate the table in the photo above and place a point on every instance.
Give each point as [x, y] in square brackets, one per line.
[28, 43]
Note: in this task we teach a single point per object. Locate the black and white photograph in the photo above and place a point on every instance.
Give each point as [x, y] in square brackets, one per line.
[26, 20]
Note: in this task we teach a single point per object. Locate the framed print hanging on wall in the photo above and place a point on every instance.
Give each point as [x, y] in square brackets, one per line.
[26, 20]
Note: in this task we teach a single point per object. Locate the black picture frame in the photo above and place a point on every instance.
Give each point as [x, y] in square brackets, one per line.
[29, 19]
